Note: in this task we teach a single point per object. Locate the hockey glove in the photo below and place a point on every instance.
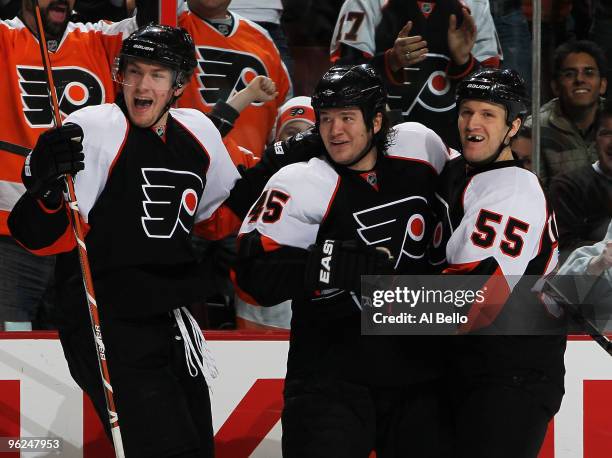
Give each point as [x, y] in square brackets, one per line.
[299, 148]
[57, 152]
[340, 264]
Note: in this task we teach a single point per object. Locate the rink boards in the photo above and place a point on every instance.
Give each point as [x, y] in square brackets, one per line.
[39, 399]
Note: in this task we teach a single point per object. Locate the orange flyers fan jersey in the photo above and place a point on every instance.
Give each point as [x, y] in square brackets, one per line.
[226, 64]
[82, 66]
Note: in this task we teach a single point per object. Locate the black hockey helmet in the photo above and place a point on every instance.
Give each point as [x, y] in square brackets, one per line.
[504, 87]
[350, 86]
[169, 46]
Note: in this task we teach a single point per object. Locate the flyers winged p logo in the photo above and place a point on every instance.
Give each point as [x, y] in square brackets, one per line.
[429, 89]
[76, 88]
[171, 199]
[400, 226]
[223, 72]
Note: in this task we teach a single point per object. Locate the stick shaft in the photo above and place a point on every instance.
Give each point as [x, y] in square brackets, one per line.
[79, 234]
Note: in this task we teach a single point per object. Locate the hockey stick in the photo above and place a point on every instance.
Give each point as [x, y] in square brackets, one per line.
[574, 312]
[14, 149]
[73, 207]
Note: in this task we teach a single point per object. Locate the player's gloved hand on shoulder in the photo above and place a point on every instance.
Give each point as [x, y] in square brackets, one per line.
[299, 148]
[57, 152]
[340, 264]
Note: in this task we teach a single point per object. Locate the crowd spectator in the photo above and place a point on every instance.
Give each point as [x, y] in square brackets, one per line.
[601, 28]
[231, 51]
[514, 36]
[568, 122]
[96, 10]
[555, 15]
[582, 198]
[82, 57]
[421, 49]
[268, 14]
[522, 146]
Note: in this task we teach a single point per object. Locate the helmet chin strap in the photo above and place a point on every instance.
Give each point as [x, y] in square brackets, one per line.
[494, 156]
[361, 155]
[173, 99]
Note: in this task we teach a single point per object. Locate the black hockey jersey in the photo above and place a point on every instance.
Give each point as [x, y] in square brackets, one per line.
[497, 222]
[307, 203]
[140, 196]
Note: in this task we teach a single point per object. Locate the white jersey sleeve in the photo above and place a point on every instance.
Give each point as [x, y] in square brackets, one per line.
[293, 204]
[579, 259]
[505, 216]
[101, 145]
[487, 42]
[414, 141]
[222, 173]
[356, 25]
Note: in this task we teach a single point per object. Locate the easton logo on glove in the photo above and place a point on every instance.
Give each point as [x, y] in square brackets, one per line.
[171, 201]
[328, 249]
[340, 264]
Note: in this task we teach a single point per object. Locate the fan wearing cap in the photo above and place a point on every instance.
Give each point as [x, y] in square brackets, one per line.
[294, 116]
[499, 225]
[147, 176]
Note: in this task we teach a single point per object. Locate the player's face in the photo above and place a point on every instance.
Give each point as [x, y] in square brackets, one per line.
[482, 128]
[147, 89]
[604, 145]
[291, 129]
[55, 14]
[345, 135]
[210, 9]
[579, 83]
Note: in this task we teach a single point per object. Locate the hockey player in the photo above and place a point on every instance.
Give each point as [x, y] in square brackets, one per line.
[148, 175]
[421, 50]
[506, 388]
[81, 56]
[361, 207]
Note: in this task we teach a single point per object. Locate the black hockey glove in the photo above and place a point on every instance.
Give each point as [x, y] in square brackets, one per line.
[57, 152]
[339, 264]
[299, 148]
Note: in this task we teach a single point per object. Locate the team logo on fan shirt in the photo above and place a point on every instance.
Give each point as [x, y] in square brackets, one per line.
[429, 88]
[398, 226]
[223, 72]
[76, 88]
[171, 199]
[426, 8]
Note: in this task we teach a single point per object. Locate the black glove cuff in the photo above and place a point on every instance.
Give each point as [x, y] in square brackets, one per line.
[223, 117]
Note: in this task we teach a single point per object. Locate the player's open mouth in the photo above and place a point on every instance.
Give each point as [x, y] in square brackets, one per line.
[582, 90]
[58, 13]
[142, 103]
[475, 138]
